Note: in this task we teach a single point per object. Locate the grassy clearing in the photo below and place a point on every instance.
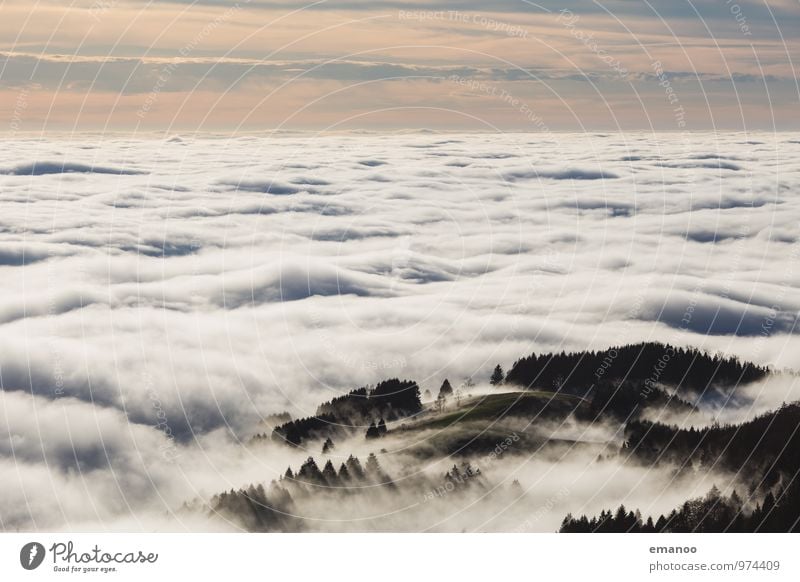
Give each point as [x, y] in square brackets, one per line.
[493, 407]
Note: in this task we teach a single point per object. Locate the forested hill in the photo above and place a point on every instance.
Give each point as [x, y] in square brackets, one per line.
[764, 450]
[619, 388]
[764, 453]
[646, 364]
[620, 383]
[389, 400]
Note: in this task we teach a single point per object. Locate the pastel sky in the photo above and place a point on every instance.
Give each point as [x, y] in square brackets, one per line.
[513, 65]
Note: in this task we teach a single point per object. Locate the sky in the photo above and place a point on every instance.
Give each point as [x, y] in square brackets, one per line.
[508, 65]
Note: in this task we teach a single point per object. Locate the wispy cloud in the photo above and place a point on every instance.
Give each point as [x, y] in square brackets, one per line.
[177, 60]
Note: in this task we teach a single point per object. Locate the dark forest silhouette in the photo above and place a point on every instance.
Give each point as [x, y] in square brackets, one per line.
[764, 453]
[618, 384]
[714, 513]
[389, 400]
[686, 369]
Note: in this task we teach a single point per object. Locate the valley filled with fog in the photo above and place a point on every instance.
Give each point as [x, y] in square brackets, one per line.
[163, 299]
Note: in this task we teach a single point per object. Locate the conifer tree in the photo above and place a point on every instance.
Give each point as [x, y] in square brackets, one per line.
[373, 467]
[329, 473]
[446, 389]
[310, 473]
[354, 468]
[497, 376]
[372, 431]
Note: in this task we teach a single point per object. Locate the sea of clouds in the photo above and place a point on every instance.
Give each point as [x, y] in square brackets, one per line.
[161, 297]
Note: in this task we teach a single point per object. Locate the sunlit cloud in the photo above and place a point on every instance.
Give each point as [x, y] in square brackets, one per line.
[89, 63]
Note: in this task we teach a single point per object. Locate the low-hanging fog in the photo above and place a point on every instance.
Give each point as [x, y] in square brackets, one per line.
[161, 298]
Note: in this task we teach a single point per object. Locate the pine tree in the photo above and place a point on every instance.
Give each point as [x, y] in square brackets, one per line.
[497, 376]
[661, 524]
[372, 466]
[328, 446]
[310, 473]
[329, 473]
[568, 525]
[446, 391]
[354, 468]
[382, 430]
[372, 431]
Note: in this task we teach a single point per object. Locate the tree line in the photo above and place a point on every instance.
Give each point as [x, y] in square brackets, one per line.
[779, 512]
[648, 364]
[388, 400]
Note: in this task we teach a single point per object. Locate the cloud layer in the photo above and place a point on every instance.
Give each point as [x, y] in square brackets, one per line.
[168, 295]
